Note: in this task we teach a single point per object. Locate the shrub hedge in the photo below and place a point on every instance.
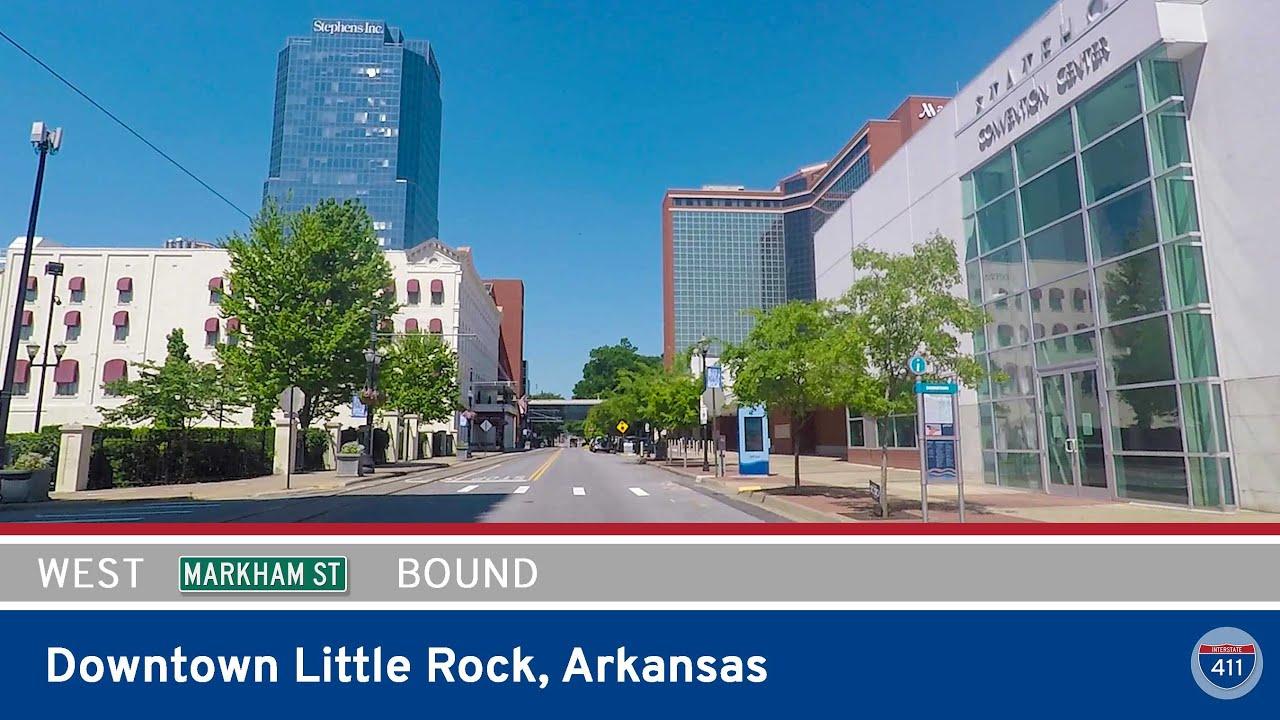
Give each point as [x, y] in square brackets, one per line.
[44, 442]
[132, 457]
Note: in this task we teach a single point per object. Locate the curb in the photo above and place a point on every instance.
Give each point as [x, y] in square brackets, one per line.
[775, 504]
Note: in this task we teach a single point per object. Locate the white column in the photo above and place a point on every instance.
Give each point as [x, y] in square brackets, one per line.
[74, 450]
[286, 451]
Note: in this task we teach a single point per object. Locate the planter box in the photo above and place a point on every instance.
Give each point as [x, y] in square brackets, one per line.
[25, 485]
[349, 465]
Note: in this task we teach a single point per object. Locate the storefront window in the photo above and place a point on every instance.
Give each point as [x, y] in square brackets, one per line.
[1204, 481]
[1131, 287]
[1187, 284]
[1193, 337]
[1146, 419]
[1057, 311]
[1109, 107]
[1046, 146]
[1013, 371]
[1066, 349]
[1051, 196]
[1004, 272]
[989, 468]
[1056, 251]
[1138, 352]
[993, 179]
[998, 223]
[857, 432]
[986, 420]
[1205, 420]
[1177, 194]
[1161, 479]
[1006, 316]
[1015, 424]
[1116, 163]
[1123, 224]
[1020, 470]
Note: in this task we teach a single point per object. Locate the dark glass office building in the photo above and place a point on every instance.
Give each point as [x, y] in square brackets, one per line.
[357, 115]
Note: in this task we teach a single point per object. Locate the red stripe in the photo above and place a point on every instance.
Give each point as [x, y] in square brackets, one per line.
[1226, 649]
[660, 529]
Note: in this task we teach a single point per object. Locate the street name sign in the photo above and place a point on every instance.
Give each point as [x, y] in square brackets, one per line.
[300, 574]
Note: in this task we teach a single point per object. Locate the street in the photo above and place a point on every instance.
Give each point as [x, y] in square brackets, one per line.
[547, 485]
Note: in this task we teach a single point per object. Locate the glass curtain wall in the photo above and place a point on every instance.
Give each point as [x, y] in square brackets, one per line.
[1083, 244]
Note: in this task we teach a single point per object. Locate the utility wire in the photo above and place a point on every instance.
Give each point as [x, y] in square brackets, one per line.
[123, 124]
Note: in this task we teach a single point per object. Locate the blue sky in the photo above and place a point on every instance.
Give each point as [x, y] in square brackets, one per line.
[564, 122]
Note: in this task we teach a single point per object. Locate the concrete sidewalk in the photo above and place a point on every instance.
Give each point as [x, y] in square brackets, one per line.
[268, 485]
[832, 490]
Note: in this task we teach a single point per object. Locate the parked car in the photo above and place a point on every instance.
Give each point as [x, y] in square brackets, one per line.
[601, 445]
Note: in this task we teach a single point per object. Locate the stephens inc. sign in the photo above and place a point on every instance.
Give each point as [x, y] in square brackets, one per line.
[343, 27]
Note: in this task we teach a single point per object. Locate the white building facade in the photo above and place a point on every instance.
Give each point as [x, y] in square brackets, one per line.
[1106, 182]
[116, 306]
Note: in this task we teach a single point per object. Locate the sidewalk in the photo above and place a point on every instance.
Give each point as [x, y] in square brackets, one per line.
[832, 490]
[264, 486]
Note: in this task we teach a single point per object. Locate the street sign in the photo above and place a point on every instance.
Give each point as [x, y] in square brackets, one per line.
[485, 425]
[715, 377]
[291, 400]
[875, 490]
[702, 414]
[358, 409]
[918, 365]
[622, 426]
[936, 388]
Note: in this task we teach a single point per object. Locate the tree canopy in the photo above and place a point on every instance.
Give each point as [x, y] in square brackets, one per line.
[420, 375]
[605, 365]
[305, 287]
[177, 394]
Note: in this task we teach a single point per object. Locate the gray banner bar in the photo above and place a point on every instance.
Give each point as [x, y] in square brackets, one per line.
[956, 572]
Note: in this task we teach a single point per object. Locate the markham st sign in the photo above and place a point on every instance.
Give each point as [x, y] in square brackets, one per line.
[344, 27]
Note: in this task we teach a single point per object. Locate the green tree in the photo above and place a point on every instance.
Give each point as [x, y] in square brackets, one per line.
[420, 375]
[668, 399]
[794, 362]
[175, 395]
[544, 395]
[901, 304]
[305, 288]
[605, 365]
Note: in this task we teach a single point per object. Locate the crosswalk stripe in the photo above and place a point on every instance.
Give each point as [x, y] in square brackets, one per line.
[638, 492]
[579, 490]
[522, 490]
[468, 488]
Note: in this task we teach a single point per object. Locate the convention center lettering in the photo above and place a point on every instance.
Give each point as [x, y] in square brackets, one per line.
[358, 665]
[1030, 106]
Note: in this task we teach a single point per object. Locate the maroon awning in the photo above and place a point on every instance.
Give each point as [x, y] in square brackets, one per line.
[26, 318]
[437, 286]
[31, 282]
[121, 318]
[413, 286]
[114, 370]
[435, 326]
[68, 371]
[211, 325]
[21, 371]
[233, 324]
[72, 318]
[125, 284]
[76, 284]
[411, 325]
[215, 283]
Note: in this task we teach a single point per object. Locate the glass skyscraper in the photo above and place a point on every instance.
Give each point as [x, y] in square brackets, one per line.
[357, 115]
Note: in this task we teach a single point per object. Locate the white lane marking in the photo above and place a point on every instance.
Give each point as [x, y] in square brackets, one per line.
[488, 479]
[638, 492]
[468, 488]
[521, 490]
[579, 490]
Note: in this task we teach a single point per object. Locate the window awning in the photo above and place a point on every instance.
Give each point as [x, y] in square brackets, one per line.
[413, 286]
[121, 318]
[31, 282]
[21, 371]
[26, 318]
[233, 324]
[435, 326]
[215, 283]
[72, 318]
[124, 284]
[114, 370]
[437, 286]
[76, 284]
[68, 371]
[411, 325]
[211, 325]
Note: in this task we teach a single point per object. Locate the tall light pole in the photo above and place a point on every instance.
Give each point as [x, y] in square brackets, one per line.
[701, 348]
[55, 269]
[372, 359]
[46, 141]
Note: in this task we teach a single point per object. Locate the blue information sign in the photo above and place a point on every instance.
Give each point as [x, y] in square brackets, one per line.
[357, 408]
[940, 460]
[918, 365]
[713, 377]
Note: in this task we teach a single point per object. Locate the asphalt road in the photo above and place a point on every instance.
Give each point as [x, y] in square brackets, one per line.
[548, 485]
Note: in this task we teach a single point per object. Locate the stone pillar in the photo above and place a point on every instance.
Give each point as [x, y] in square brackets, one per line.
[286, 452]
[75, 447]
[394, 453]
[412, 446]
[334, 431]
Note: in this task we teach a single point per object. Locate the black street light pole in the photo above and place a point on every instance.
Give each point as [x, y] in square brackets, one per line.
[46, 142]
[55, 269]
[371, 379]
[702, 346]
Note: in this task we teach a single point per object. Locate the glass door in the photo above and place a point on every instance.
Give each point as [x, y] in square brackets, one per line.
[1073, 430]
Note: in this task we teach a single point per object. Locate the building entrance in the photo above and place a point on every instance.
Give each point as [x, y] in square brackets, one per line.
[1074, 431]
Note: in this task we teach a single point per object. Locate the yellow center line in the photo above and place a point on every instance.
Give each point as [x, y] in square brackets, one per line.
[543, 468]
